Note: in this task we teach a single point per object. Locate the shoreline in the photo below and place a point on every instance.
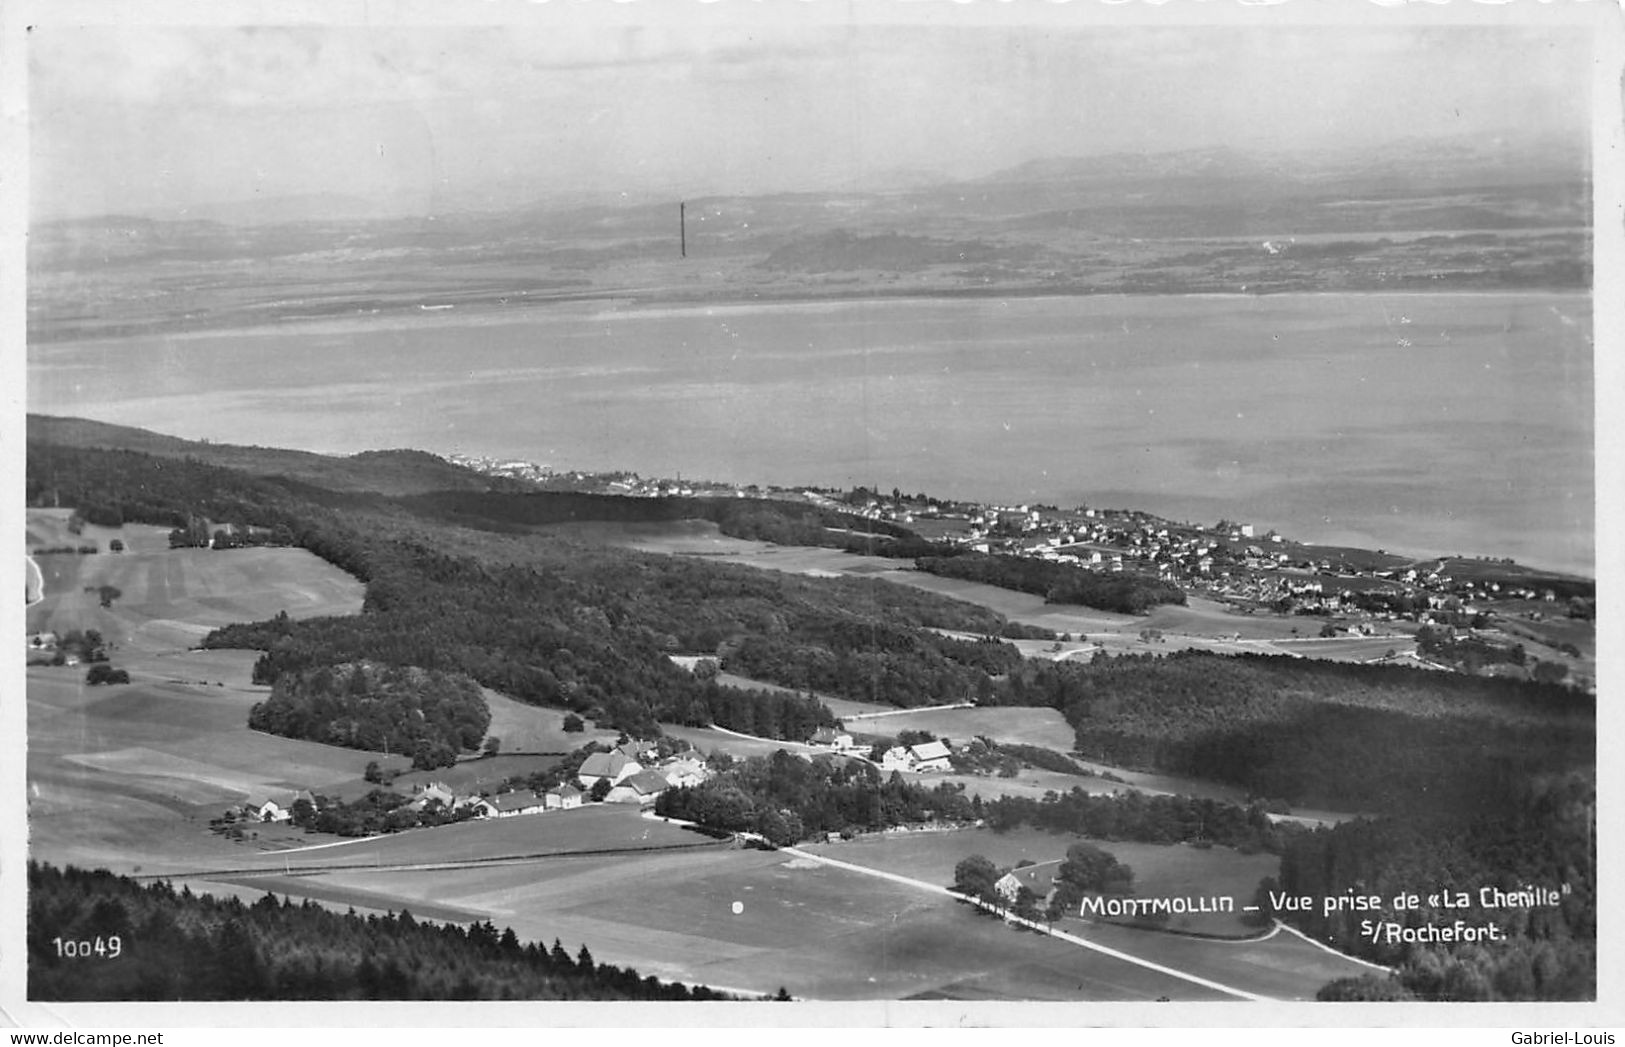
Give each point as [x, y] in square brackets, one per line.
[485, 313]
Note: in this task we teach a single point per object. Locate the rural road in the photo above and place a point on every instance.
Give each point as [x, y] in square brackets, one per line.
[1039, 927]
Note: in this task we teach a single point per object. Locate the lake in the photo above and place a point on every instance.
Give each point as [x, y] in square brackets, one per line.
[1451, 423]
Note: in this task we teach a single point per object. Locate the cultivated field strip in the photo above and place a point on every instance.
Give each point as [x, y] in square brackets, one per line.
[316, 869]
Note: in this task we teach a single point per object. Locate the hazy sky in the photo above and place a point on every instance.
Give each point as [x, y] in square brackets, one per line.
[153, 118]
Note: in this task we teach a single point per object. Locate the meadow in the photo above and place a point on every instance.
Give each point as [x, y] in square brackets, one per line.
[1022, 725]
[168, 600]
[537, 729]
[128, 775]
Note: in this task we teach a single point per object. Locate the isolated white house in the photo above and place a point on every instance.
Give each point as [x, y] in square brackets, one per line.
[268, 811]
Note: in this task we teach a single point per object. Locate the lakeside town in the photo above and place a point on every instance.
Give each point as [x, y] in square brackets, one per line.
[1474, 614]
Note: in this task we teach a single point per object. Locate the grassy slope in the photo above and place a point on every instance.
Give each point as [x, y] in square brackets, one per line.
[123, 775]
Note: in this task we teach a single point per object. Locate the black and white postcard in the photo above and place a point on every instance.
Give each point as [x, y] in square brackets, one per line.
[811, 514]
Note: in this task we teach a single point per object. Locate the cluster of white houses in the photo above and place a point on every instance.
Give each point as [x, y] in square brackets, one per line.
[633, 772]
[920, 758]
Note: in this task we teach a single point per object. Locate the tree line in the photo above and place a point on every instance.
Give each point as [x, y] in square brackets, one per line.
[1125, 592]
[182, 946]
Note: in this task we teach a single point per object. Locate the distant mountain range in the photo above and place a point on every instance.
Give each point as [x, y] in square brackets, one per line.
[1404, 166]
[1418, 214]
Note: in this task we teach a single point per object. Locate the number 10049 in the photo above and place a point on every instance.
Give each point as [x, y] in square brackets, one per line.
[86, 948]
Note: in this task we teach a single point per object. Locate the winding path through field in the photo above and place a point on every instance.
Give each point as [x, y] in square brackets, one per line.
[1031, 925]
[39, 575]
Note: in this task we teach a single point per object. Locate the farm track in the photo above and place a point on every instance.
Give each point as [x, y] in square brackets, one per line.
[912, 709]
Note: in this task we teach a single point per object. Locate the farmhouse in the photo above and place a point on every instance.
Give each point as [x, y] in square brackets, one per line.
[896, 758]
[637, 750]
[832, 738]
[481, 807]
[614, 767]
[1039, 879]
[641, 788]
[268, 810]
[685, 772]
[929, 756]
[520, 801]
[563, 798]
[436, 791]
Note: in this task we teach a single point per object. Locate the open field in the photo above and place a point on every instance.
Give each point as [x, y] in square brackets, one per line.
[591, 827]
[1205, 617]
[1285, 967]
[1347, 648]
[127, 775]
[48, 529]
[536, 729]
[1023, 725]
[171, 599]
[820, 932]
[828, 933]
[707, 740]
[122, 775]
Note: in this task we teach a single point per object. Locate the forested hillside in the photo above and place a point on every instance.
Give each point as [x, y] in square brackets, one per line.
[1319, 733]
[154, 943]
[1532, 832]
[543, 619]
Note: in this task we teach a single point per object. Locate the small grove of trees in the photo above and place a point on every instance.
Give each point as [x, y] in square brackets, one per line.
[1087, 870]
[107, 593]
[574, 724]
[102, 672]
[430, 714]
[975, 876]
